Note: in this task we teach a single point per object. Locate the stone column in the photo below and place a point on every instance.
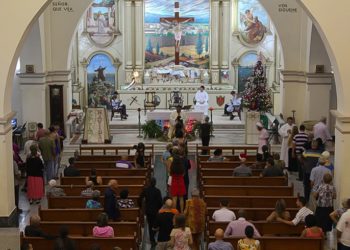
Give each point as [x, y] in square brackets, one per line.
[139, 34]
[215, 27]
[235, 65]
[8, 214]
[128, 31]
[342, 156]
[226, 28]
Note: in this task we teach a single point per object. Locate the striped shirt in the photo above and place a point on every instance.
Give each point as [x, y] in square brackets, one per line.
[300, 216]
[300, 140]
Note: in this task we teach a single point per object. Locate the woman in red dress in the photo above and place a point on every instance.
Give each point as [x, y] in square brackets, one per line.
[177, 189]
[35, 171]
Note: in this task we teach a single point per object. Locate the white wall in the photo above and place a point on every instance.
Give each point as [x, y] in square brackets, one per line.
[318, 53]
[17, 98]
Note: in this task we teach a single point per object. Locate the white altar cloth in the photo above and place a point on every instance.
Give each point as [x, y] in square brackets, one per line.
[165, 115]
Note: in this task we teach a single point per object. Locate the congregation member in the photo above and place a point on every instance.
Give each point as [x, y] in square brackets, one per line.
[195, 213]
[205, 129]
[16, 177]
[301, 214]
[180, 235]
[312, 230]
[118, 106]
[237, 227]
[47, 149]
[124, 162]
[292, 159]
[278, 162]
[262, 140]
[285, 131]
[271, 170]
[40, 132]
[248, 242]
[102, 230]
[310, 160]
[34, 230]
[325, 195]
[299, 142]
[343, 229]
[317, 174]
[175, 117]
[164, 224]
[320, 131]
[242, 170]
[336, 214]
[153, 202]
[124, 201]
[280, 212]
[187, 166]
[202, 99]
[63, 241]
[96, 180]
[219, 243]
[217, 156]
[35, 177]
[87, 192]
[110, 206]
[55, 191]
[57, 150]
[328, 164]
[94, 202]
[71, 170]
[224, 214]
[140, 155]
[233, 106]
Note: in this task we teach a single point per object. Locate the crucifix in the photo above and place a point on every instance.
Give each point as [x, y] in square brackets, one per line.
[176, 22]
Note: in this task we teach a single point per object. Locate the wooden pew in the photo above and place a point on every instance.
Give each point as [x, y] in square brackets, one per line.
[279, 243]
[254, 214]
[83, 228]
[72, 214]
[223, 172]
[108, 158]
[112, 149]
[75, 190]
[115, 171]
[250, 151]
[228, 190]
[242, 181]
[264, 228]
[99, 164]
[234, 158]
[85, 243]
[75, 201]
[224, 164]
[249, 201]
[122, 180]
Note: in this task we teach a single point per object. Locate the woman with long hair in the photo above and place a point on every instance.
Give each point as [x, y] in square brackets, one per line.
[140, 155]
[280, 211]
[180, 236]
[177, 188]
[35, 176]
[97, 180]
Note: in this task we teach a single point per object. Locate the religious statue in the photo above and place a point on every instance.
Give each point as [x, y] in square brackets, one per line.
[100, 75]
[101, 22]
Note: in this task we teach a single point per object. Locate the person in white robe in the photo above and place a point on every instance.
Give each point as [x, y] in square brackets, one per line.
[202, 99]
[284, 131]
[174, 118]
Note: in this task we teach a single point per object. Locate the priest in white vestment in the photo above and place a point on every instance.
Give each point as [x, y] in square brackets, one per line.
[173, 119]
[202, 99]
[285, 131]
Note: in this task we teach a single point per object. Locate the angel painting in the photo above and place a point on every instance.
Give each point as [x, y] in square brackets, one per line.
[252, 29]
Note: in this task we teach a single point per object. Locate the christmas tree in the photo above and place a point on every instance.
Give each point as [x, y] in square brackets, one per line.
[257, 95]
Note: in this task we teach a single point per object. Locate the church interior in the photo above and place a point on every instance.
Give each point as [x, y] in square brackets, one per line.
[91, 84]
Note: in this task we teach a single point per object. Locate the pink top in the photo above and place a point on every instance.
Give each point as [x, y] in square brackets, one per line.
[263, 136]
[103, 232]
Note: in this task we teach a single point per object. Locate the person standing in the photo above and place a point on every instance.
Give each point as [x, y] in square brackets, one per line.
[47, 149]
[262, 140]
[35, 169]
[321, 131]
[175, 117]
[153, 202]
[17, 177]
[205, 128]
[110, 206]
[195, 217]
[40, 132]
[343, 229]
[180, 236]
[177, 187]
[284, 131]
[299, 142]
[202, 99]
[292, 160]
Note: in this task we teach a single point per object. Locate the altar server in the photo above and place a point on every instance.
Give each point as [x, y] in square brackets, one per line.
[202, 99]
[175, 117]
[285, 131]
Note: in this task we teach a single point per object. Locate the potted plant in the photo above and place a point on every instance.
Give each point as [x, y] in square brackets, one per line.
[151, 129]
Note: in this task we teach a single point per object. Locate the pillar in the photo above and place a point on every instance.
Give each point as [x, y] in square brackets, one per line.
[225, 34]
[139, 34]
[215, 27]
[128, 31]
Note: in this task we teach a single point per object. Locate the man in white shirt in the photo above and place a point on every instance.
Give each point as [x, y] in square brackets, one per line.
[285, 132]
[224, 214]
[234, 105]
[262, 140]
[202, 99]
[343, 229]
[301, 214]
[321, 131]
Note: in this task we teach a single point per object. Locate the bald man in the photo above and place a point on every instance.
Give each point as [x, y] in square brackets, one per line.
[110, 206]
[219, 244]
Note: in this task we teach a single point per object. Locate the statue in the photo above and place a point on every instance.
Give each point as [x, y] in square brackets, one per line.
[100, 75]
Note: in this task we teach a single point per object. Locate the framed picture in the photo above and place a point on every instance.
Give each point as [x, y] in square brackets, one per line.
[319, 68]
[29, 68]
[32, 126]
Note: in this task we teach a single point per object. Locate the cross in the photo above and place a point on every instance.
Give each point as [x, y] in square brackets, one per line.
[177, 20]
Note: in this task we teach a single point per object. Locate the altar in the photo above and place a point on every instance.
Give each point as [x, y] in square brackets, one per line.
[163, 115]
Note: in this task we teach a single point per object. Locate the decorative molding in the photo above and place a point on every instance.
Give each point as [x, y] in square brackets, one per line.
[5, 125]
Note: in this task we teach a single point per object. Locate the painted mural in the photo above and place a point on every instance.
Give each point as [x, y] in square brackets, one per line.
[246, 69]
[253, 21]
[100, 81]
[165, 35]
[100, 22]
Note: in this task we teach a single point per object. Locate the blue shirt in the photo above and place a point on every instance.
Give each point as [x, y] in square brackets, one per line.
[220, 245]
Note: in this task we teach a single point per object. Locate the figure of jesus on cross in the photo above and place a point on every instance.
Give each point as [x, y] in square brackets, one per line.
[176, 22]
